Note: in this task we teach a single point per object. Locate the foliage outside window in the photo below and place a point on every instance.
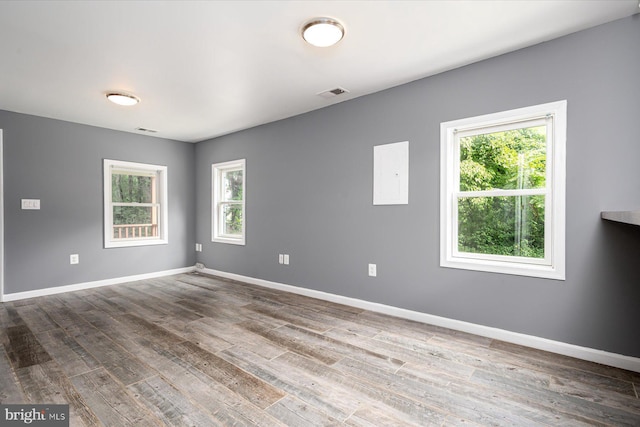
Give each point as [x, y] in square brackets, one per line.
[502, 195]
[135, 204]
[229, 190]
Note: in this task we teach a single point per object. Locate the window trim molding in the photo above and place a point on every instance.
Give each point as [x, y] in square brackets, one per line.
[556, 193]
[162, 190]
[216, 170]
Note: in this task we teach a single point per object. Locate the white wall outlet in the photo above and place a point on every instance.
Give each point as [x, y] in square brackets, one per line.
[30, 204]
[286, 259]
[199, 265]
[373, 270]
[198, 247]
[74, 259]
[280, 259]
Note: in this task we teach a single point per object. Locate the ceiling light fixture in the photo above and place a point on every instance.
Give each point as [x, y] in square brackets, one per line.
[322, 32]
[122, 98]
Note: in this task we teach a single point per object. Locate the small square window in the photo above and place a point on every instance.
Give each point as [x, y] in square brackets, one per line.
[228, 209]
[135, 204]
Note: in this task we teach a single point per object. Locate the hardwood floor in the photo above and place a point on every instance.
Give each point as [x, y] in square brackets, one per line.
[200, 351]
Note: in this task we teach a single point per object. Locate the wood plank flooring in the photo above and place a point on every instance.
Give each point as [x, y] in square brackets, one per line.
[192, 350]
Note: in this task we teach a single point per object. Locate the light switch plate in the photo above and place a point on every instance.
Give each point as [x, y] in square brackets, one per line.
[30, 204]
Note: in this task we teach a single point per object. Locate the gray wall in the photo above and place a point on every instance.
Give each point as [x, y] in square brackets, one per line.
[60, 163]
[309, 194]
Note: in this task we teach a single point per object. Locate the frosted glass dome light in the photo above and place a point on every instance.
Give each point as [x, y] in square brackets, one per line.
[122, 98]
[322, 32]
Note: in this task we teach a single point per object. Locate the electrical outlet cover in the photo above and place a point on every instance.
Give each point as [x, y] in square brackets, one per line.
[373, 270]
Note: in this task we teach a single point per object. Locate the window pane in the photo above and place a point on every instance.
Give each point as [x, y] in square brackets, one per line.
[232, 219]
[232, 184]
[502, 225]
[132, 188]
[134, 221]
[507, 160]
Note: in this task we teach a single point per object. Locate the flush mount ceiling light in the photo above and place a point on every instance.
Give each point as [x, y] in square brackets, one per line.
[122, 98]
[322, 32]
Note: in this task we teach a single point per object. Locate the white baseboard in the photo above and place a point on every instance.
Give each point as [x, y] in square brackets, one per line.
[584, 353]
[95, 284]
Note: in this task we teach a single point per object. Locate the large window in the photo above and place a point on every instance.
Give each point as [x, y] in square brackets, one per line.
[135, 204]
[229, 192]
[503, 192]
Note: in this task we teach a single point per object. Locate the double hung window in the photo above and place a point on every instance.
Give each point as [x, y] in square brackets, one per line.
[229, 191]
[503, 192]
[135, 204]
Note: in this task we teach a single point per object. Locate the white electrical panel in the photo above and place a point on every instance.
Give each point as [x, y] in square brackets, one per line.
[391, 174]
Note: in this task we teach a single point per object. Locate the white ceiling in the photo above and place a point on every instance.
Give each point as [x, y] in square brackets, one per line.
[205, 69]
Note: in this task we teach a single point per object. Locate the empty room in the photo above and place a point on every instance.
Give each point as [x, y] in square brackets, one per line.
[314, 213]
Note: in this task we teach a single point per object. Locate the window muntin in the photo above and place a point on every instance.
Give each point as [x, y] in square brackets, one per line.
[135, 204]
[502, 196]
[229, 188]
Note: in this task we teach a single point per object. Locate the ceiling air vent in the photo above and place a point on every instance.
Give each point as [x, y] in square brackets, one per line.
[333, 92]
[146, 130]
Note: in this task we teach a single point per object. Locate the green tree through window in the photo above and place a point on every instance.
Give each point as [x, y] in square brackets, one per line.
[232, 212]
[502, 225]
[132, 189]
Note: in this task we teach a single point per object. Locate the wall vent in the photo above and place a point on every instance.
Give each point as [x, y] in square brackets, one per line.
[333, 92]
[147, 130]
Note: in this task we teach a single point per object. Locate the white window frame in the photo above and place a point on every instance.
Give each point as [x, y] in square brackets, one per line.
[160, 172]
[554, 115]
[217, 170]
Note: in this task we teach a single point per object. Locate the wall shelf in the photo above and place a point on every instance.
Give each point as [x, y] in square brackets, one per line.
[628, 217]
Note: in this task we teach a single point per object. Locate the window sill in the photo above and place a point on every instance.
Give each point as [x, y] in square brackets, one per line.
[133, 243]
[517, 269]
[229, 241]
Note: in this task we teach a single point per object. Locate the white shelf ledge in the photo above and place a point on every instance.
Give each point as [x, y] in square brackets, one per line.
[628, 217]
